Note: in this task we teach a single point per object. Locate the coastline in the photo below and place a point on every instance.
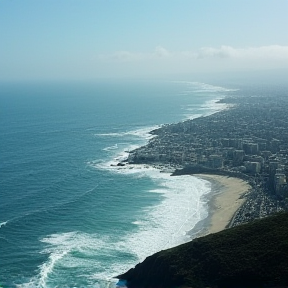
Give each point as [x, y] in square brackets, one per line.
[221, 205]
[224, 200]
[213, 145]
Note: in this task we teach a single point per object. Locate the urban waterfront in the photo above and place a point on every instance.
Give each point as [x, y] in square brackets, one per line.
[248, 140]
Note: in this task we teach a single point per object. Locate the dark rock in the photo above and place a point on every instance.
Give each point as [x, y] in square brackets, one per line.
[252, 255]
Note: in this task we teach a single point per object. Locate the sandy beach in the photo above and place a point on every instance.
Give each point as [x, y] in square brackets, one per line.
[225, 200]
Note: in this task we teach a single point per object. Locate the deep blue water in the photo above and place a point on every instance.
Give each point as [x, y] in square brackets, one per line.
[70, 219]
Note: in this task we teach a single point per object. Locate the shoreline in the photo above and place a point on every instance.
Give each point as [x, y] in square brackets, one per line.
[224, 200]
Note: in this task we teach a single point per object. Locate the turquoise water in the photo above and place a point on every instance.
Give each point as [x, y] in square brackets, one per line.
[70, 219]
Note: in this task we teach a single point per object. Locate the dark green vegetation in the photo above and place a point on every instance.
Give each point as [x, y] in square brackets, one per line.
[250, 255]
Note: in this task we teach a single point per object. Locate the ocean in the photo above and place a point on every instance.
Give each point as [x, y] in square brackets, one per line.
[69, 216]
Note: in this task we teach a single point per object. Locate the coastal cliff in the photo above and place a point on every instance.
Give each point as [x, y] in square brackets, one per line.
[250, 255]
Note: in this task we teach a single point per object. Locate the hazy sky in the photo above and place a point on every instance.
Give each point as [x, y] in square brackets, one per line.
[87, 39]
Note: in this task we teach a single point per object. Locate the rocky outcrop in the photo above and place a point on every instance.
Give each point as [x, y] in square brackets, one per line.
[251, 255]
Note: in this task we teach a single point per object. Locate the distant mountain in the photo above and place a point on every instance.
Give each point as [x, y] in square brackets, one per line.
[251, 255]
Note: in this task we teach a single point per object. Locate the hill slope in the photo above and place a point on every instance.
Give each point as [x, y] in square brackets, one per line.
[251, 255]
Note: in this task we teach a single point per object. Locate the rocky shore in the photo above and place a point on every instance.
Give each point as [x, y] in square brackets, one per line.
[248, 141]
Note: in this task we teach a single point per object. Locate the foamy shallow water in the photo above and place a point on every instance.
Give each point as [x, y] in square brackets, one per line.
[161, 227]
[89, 221]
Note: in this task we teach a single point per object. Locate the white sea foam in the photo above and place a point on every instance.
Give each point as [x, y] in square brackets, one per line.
[167, 224]
[68, 251]
[143, 132]
[113, 147]
[204, 87]
[191, 116]
[140, 136]
[208, 108]
[160, 227]
[111, 163]
[181, 209]
[85, 252]
[120, 134]
[213, 106]
[2, 224]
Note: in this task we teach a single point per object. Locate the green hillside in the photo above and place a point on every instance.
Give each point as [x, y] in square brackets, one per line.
[251, 255]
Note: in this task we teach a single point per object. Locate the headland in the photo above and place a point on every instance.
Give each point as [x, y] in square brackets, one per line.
[252, 255]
